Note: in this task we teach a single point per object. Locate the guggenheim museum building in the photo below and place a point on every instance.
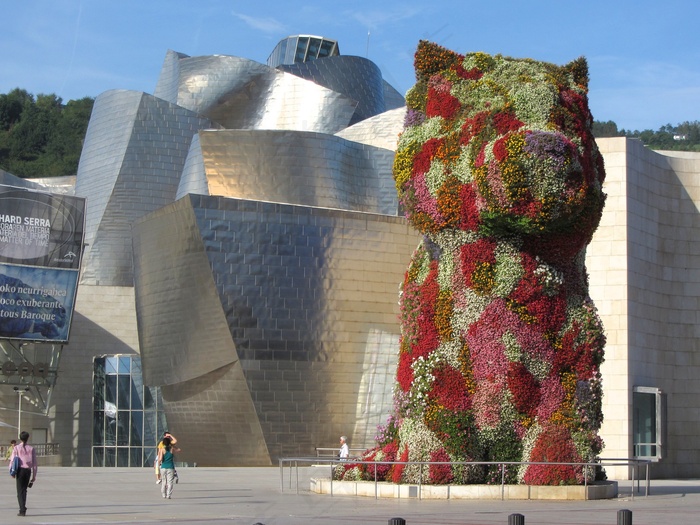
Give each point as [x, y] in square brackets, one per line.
[243, 250]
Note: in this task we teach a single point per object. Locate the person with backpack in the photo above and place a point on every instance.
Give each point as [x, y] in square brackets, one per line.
[26, 473]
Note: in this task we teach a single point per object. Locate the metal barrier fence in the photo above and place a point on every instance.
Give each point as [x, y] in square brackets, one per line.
[330, 452]
[294, 463]
[42, 449]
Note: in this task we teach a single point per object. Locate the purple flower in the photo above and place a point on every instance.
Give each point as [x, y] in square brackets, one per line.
[413, 118]
[552, 147]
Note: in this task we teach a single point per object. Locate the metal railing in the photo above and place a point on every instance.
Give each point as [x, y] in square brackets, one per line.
[42, 449]
[330, 452]
[293, 463]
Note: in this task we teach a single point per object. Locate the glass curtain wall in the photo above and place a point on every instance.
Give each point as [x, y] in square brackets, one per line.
[128, 417]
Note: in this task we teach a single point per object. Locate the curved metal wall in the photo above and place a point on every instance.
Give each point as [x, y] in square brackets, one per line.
[238, 93]
[355, 77]
[268, 314]
[194, 176]
[106, 140]
[381, 131]
[393, 99]
[169, 79]
[306, 297]
[134, 152]
[294, 167]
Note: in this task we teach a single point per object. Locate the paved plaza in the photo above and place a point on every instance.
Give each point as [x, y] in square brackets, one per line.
[248, 496]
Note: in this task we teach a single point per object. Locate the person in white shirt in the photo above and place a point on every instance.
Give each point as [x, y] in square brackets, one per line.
[343, 453]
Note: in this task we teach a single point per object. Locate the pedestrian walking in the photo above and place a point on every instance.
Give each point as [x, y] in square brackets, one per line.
[8, 454]
[166, 461]
[26, 474]
[156, 465]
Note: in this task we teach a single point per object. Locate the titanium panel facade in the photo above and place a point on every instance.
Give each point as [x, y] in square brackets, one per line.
[238, 93]
[254, 269]
[392, 98]
[134, 152]
[294, 167]
[293, 307]
[381, 131]
[355, 77]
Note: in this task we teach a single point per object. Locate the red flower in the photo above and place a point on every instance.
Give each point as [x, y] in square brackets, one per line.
[505, 122]
[404, 372]
[553, 445]
[499, 149]
[550, 312]
[441, 104]
[472, 74]
[390, 451]
[527, 206]
[473, 127]
[584, 357]
[440, 474]
[475, 255]
[470, 218]
[449, 389]
[480, 157]
[421, 162]
[428, 340]
[524, 388]
[428, 337]
[397, 471]
[529, 286]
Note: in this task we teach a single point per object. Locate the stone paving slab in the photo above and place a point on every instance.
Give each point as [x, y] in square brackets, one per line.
[248, 496]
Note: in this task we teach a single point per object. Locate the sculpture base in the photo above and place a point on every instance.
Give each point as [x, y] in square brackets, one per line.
[598, 490]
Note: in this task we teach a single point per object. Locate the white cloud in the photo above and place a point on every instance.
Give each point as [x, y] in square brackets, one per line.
[267, 25]
[376, 18]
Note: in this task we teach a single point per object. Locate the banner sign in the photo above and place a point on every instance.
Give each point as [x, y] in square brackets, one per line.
[41, 243]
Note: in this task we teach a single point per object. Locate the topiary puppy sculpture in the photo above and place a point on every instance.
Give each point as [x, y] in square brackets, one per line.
[501, 345]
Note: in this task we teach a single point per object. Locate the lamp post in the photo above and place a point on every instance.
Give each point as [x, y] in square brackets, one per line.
[21, 392]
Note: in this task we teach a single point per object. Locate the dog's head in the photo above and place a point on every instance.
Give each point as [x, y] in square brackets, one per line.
[501, 147]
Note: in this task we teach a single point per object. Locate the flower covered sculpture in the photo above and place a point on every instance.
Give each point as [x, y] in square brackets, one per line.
[501, 345]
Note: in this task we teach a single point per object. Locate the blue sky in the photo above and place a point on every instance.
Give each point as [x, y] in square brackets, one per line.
[643, 56]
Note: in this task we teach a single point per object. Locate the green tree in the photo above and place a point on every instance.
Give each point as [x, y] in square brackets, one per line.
[66, 140]
[41, 137]
[683, 137]
[606, 129]
[11, 106]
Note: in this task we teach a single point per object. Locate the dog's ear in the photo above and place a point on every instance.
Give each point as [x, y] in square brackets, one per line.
[579, 71]
[431, 58]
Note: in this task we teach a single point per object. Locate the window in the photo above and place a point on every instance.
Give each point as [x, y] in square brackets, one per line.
[648, 422]
[328, 48]
[128, 417]
[312, 52]
[301, 49]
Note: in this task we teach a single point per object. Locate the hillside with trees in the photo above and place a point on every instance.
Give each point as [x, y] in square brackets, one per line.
[683, 137]
[40, 136]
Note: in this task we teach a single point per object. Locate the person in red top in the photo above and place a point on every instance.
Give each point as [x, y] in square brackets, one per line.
[26, 475]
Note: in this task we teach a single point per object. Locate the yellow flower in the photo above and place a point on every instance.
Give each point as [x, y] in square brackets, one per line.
[443, 314]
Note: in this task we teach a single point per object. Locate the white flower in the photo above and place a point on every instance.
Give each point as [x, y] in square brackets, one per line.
[508, 269]
[549, 277]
